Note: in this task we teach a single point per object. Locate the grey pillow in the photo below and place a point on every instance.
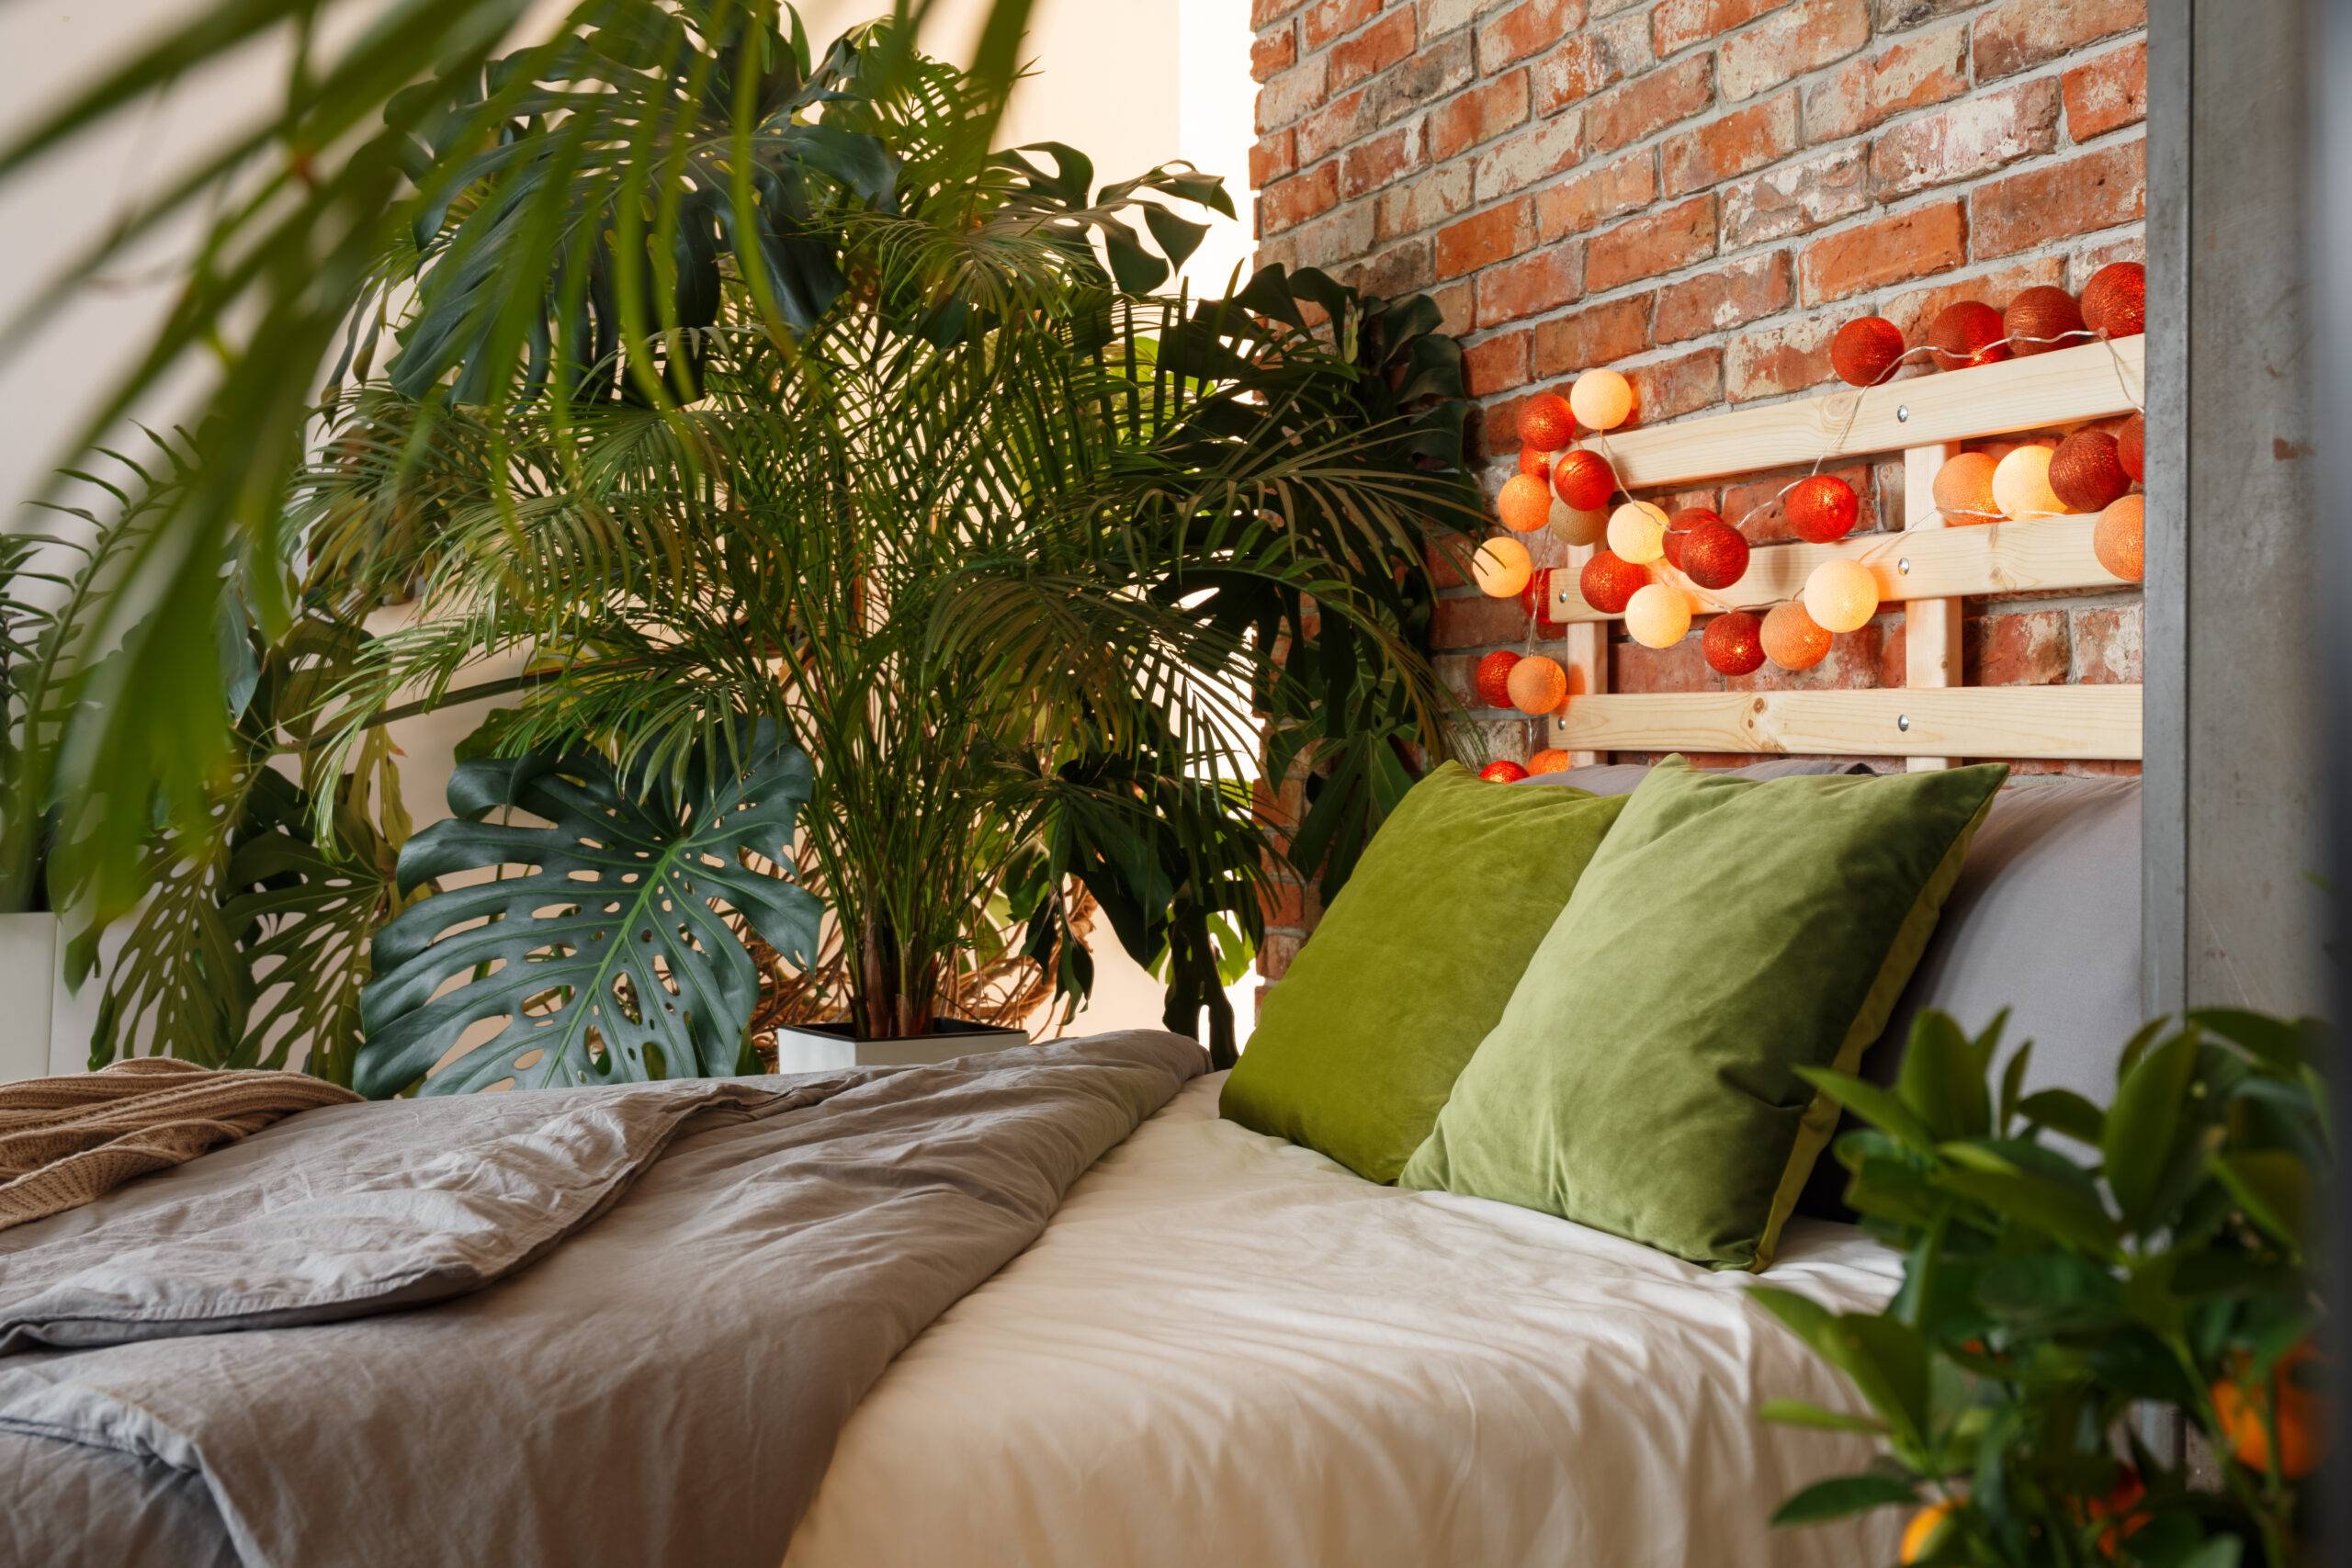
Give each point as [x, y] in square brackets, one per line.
[1620, 778]
[2044, 921]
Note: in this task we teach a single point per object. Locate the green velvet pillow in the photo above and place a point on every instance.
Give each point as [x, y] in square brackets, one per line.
[1643, 1078]
[1358, 1046]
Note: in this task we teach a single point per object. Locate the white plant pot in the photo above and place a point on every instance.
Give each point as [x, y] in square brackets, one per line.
[28, 980]
[825, 1047]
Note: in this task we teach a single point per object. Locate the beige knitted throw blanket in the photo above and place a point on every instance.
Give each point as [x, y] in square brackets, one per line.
[66, 1140]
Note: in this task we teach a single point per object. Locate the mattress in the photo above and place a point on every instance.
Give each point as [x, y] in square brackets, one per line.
[1228, 1351]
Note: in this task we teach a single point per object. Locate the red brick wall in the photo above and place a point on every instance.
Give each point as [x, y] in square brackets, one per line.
[1699, 192]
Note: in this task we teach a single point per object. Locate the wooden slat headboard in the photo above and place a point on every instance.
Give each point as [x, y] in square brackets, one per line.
[1928, 569]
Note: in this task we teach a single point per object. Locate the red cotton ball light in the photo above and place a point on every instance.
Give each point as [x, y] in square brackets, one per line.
[2131, 447]
[1492, 678]
[1715, 555]
[2115, 301]
[1609, 582]
[1537, 599]
[1681, 525]
[1584, 482]
[1502, 772]
[1525, 503]
[1823, 509]
[2086, 471]
[1544, 422]
[2041, 318]
[1864, 352]
[1531, 461]
[1967, 334]
[1551, 760]
[1733, 643]
[1538, 686]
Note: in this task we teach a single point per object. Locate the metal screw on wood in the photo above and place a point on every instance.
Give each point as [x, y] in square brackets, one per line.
[1903, 565]
[1903, 413]
[1903, 721]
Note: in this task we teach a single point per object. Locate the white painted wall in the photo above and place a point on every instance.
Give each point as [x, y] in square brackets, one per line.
[1133, 83]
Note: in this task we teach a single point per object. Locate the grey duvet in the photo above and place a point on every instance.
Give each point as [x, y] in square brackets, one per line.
[584, 1327]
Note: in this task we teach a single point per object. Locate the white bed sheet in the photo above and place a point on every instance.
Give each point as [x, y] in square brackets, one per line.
[1226, 1350]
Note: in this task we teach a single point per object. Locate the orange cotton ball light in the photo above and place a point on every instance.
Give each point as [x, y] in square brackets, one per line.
[2086, 471]
[1491, 680]
[1841, 595]
[1502, 772]
[1609, 581]
[2043, 319]
[1531, 461]
[1658, 617]
[2021, 485]
[1965, 489]
[1637, 532]
[1584, 482]
[1501, 568]
[1601, 399]
[1733, 643]
[1544, 422]
[2119, 538]
[1823, 509]
[1538, 685]
[1525, 503]
[1864, 352]
[1792, 639]
[1551, 760]
[1713, 554]
[2115, 301]
[1967, 334]
[2131, 447]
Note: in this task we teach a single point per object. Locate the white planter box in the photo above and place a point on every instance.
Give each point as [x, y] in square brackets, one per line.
[28, 987]
[825, 1047]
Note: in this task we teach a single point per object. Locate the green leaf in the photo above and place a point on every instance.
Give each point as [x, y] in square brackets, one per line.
[2047, 1293]
[608, 959]
[2064, 1111]
[2274, 1187]
[2057, 1209]
[1844, 1495]
[2145, 1124]
[1872, 1104]
[1942, 1079]
[1800, 1413]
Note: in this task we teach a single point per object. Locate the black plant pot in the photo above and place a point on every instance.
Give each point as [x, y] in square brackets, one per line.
[823, 1047]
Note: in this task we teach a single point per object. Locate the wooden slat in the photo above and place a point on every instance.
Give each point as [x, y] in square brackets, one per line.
[2053, 722]
[1945, 563]
[2059, 387]
[1585, 653]
[1930, 627]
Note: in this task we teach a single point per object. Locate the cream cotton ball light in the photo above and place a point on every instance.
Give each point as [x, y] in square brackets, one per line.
[1637, 533]
[2021, 485]
[1841, 596]
[1502, 567]
[1601, 399]
[1658, 615]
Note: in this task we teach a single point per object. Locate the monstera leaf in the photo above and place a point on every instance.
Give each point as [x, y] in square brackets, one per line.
[609, 958]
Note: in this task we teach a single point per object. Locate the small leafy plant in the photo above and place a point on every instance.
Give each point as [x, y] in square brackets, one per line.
[2081, 1284]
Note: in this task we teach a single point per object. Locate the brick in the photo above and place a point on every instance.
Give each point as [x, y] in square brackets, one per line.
[1327, 19]
[1334, 240]
[1966, 140]
[1917, 244]
[1474, 621]
[1529, 28]
[1479, 115]
[1271, 53]
[2019, 35]
[1649, 103]
[1399, 270]
[2106, 645]
[1912, 73]
[1796, 198]
[1574, 72]
[1275, 954]
[1497, 364]
[1338, 125]
[1438, 70]
[1802, 37]
[1637, 670]
[1427, 198]
[1373, 51]
[1729, 297]
[2083, 264]
[2097, 190]
[1292, 94]
[1457, 308]
[1262, 12]
[1599, 334]
[1587, 200]
[1753, 506]
[1916, 311]
[2108, 93]
[1272, 157]
[1444, 15]
[1528, 156]
[1484, 238]
[1678, 24]
[2023, 647]
[1729, 144]
[1370, 164]
[1894, 16]
[1543, 280]
[1286, 203]
[1779, 360]
[1658, 243]
[1678, 387]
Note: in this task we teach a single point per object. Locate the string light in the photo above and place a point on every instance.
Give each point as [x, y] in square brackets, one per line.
[1609, 582]
[1545, 423]
[2041, 318]
[1501, 568]
[1537, 685]
[1491, 680]
[1823, 509]
[1582, 528]
[1502, 772]
[1715, 554]
[2131, 447]
[1525, 503]
[2119, 538]
[1791, 638]
[2115, 301]
[1864, 350]
[1841, 595]
[1551, 760]
[1658, 615]
[2021, 485]
[1967, 334]
[1637, 532]
[1584, 482]
[1601, 399]
[1963, 488]
[1532, 461]
[2086, 471]
[1733, 643]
